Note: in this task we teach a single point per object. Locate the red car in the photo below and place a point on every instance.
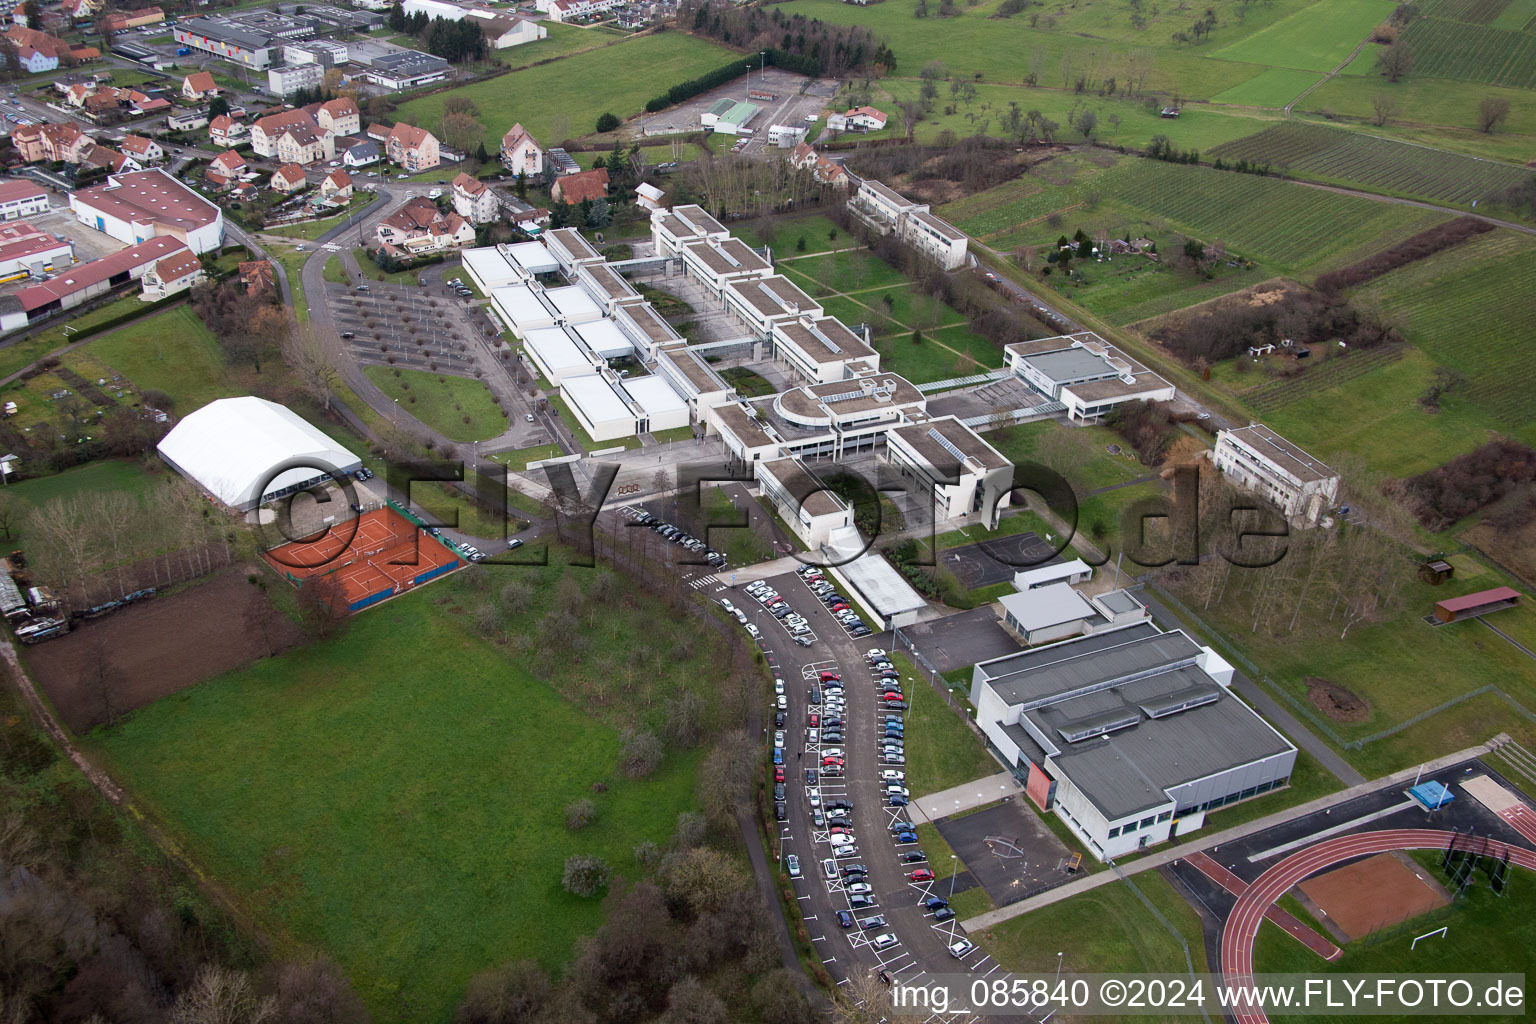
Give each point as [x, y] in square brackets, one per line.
[778, 774]
[891, 695]
[839, 607]
[815, 720]
[922, 875]
[832, 761]
[830, 677]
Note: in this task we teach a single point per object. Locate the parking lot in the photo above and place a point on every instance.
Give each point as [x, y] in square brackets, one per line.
[795, 97]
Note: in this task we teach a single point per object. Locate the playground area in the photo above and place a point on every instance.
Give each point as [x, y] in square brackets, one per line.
[1375, 893]
[373, 557]
[996, 560]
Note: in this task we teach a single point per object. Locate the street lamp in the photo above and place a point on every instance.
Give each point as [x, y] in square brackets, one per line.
[763, 74]
[954, 871]
[1058, 966]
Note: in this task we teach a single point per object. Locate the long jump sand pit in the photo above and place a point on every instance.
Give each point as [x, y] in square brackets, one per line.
[1373, 894]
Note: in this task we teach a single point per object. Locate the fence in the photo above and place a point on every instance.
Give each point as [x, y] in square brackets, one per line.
[1189, 963]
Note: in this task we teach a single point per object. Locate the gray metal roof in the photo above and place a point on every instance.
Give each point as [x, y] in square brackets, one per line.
[1067, 668]
[1072, 364]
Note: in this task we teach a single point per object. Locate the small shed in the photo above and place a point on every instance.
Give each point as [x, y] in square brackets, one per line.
[1455, 609]
[1436, 571]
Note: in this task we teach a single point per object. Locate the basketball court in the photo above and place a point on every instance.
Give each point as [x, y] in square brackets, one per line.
[1373, 894]
[377, 555]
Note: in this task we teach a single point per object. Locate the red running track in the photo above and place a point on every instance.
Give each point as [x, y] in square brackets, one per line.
[1522, 819]
[1206, 865]
[1242, 927]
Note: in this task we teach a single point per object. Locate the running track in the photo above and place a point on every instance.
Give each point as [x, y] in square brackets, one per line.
[1237, 938]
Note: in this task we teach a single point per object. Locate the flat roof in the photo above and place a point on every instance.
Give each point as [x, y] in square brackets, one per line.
[728, 257]
[604, 338]
[1050, 605]
[938, 440]
[533, 257]
[1070, 365]
[1118, 602]
[699, 218]
[521, 304]
[887, 193]
[775, 296]
[844, 398]
[1281, 452]
[596, 398]
[149, 197]
[699, 374]
[490, 266]
[572, 301]
[749, 430]
[1027, 677]
[608, 281]
[825, 340]
[570, 241]
[556, 350]
[942, 227]
[655, 395]
[642, 317]
[1477, 600]
[800, 484]
[881, 586]
[1027, 579]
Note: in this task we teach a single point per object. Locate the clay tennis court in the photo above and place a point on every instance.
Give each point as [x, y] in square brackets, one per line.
[379, 554]
[1373, 894]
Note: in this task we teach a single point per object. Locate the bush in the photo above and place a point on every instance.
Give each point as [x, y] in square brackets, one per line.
[579, 814]
[1466, 484]
[607, 122]
[641, 754]
[585, 875]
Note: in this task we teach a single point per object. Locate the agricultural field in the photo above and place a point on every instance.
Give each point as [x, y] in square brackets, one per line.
[1478, 53]
[1469, 308]
[1318, 38]
[392, 796]
[1380, 165]
[617, 79]
[1437, 112]
[1273, 88]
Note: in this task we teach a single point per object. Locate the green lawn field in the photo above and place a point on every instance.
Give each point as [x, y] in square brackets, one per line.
[1273, 88]
[784, 236]
[617, 79]
[1317, 38]
[171, 352]
[392, 796]
[457, 407]
[93, 477]
[942, 751]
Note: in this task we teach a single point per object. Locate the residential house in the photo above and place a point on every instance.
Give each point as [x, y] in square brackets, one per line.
[305, 144]
[144, 151]
[825, 171]
[36, 61]
[49, 47]
[199, 87]
[361, 155]
[143, 103]
[288, 178]
[649, 197]
[378, 132]
[414, 149]
[474, 200]
[225, 168]
[337, 185]
[266, 131]
[574, 188]
[256, 276]
[51, 142]
[419, 228]
[864, 119]
[187, 122]
[521, 152]
[226, 131]
[107, 159]
[123, 21]
[579, 10]
[1259, 460]
[339, 117]
[172, 275]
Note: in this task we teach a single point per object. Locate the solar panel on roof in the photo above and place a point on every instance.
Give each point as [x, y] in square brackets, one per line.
[773, 295]
[842, 396]
[832, 345]
[933, 432]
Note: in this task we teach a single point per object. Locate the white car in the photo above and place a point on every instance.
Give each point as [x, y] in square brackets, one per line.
[778, 738]
[829, 868]
[778, 686]
[812, 736]
[874, 653]
[793, 864]
[832, 752]
[885, 940]
[860, 889]
[752, 631]
[781, 702]
[958, 950]
[840, 840]
[897, 791]
[844, 852]
[814, 796]
[727, 606]
[741, 616]
[891, 775]
[436, 193]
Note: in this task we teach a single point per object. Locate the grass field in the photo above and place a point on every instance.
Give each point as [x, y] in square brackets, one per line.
[1273, 88]
[1379, 165]
[91, 478]
[456, 407]
[1102, 930]
[941, 750]
[171, 352]
[519, 458]
[1486, 933]
[1317, 38]
[819, 234]
[1088, 465]
[747, 383]
[617, 79]
[335, 272]
[942, 354]
[392, 796]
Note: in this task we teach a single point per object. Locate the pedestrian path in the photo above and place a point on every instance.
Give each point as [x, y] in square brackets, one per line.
[967, 796]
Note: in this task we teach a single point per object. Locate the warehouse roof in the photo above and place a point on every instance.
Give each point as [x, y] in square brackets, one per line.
[596, 398]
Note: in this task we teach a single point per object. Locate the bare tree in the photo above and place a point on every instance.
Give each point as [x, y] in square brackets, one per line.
[1385, 107]
[1396, 60]
[312, 366]
[219, 995]
[1491, 112]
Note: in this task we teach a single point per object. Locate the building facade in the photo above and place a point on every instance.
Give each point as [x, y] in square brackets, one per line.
[1259, 460]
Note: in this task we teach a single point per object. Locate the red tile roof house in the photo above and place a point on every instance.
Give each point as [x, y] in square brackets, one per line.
[226, 131]
[412, 148]
[225, 168]
[573, 188]
[145, 151]
[199, 86]
[171, 275]
[420, 227]
[288, 178]
[337, 185]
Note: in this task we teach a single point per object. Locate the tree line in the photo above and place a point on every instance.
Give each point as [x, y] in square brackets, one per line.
[1228, 328]
[808, 46]
[455, 41]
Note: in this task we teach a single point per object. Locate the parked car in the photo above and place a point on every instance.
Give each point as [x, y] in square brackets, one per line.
[844, 919]
[870, 923]
[792, 865]
[908, 837]
[944, 914]
[885, 940]
[913, 857]
[959, 949]
[922, 875]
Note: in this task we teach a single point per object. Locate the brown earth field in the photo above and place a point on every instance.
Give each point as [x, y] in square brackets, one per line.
[159, 647]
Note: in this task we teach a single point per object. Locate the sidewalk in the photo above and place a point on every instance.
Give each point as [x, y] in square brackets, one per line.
[1198, 842]
[964, 797]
